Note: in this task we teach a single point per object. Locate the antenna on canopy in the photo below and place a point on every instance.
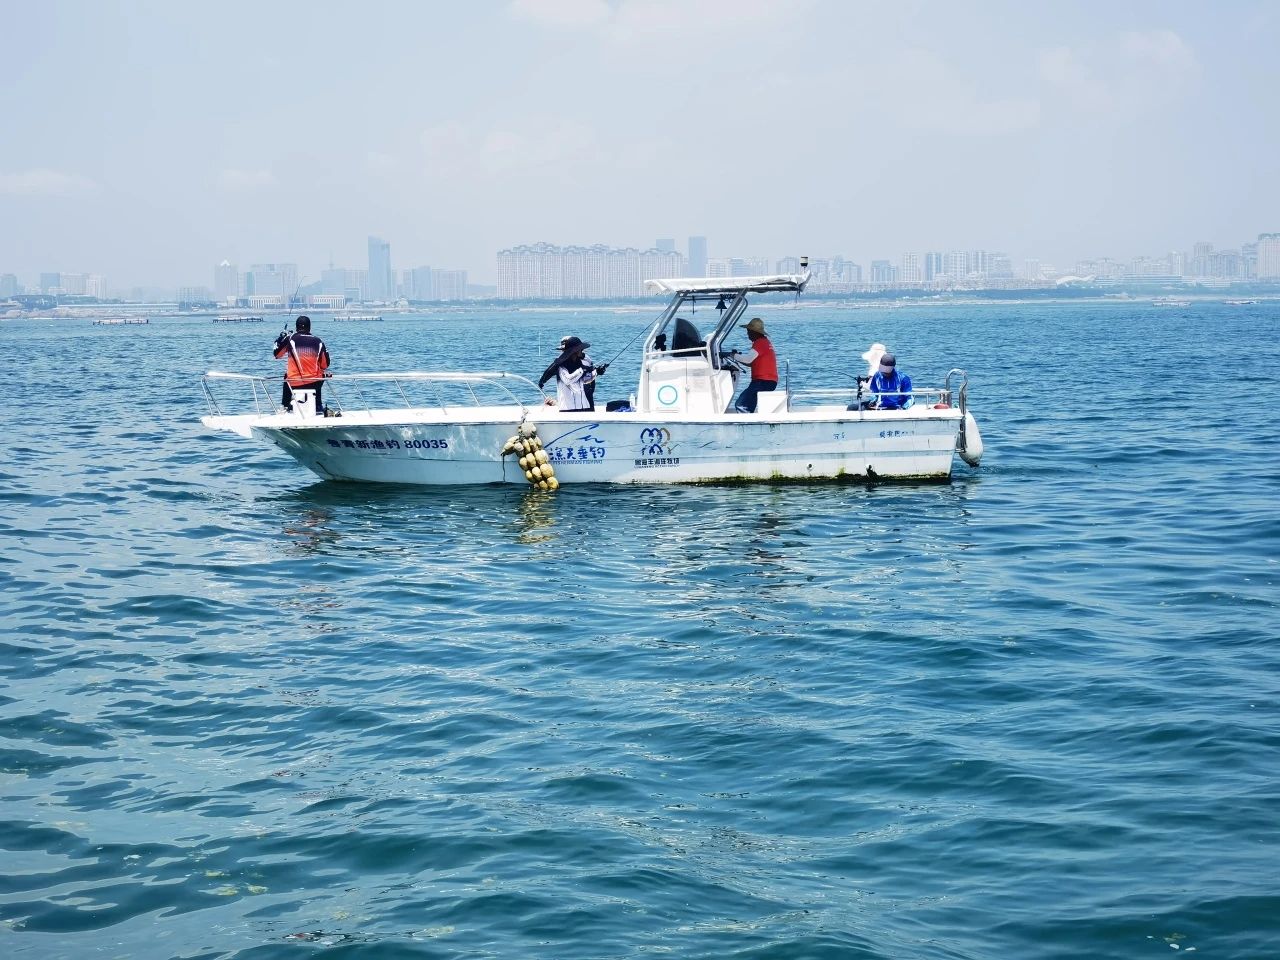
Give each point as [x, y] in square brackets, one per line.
[804, 268]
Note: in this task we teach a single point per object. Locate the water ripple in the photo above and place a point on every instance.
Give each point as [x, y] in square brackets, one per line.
[1029, 713]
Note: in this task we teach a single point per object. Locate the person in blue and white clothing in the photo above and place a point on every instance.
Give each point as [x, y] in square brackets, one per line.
[890, 389]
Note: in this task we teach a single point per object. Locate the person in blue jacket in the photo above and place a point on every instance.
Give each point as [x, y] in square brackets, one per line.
[891, 389]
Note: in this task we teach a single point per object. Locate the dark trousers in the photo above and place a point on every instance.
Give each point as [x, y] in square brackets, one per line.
[286, 398]
[747, 401]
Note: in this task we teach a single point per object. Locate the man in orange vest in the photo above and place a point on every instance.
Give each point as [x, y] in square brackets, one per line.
[307, 359]
[763, 363]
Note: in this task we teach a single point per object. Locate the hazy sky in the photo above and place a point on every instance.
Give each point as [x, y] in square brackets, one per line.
[146, 141]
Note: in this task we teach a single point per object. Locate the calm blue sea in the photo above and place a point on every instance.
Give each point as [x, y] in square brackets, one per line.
[1030, 713]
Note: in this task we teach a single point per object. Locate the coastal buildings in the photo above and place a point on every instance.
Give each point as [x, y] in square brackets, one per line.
[279, 280]
[697, 256]
[381, 281]
[448, 285]
[226, 282]
[1268, 256]
[352, 285]
[544, 271]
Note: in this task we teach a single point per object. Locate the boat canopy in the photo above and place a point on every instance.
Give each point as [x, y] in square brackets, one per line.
[780, 283]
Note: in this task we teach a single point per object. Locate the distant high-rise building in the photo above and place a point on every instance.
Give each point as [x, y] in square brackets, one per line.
[883, 272]
[911, 270]
[73, 284]
[698, 257]
[51, 283]
[933, 266]
[660, 264]
[352, 285]
[999, 266]
[1226, 264]
[665, 245]
[718, 267]
[9, 286]
[226, 281]
[736, 267]
[1249, 260]
[421, 284]
[544, 271]
[449, 284]
[624, 273]
[1201, 255]
[273, 280]
[1269, 256]
[381, 281]
[194, 294]
[955, 265]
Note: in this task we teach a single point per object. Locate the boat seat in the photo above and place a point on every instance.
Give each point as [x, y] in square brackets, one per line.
[772, 401]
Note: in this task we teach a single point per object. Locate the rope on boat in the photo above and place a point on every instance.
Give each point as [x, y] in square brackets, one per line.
[534, 461]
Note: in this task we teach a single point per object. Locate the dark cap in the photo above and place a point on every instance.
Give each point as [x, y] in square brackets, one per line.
[887, 360]
[303, 324]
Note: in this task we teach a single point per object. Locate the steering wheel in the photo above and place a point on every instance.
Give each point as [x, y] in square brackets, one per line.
[727, 358]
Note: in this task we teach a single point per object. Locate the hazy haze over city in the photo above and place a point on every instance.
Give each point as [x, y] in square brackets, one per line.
[148, 141]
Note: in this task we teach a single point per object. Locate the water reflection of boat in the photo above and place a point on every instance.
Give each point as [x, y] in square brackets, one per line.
[115, 321]
[680, 426]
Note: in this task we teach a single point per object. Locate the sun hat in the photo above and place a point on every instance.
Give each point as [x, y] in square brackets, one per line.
[756, 326]
[572, 345]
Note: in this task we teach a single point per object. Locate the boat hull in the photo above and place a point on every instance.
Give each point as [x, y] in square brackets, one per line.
[464, 448]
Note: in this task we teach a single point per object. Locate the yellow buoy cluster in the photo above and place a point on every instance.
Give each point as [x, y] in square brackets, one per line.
[533, 459]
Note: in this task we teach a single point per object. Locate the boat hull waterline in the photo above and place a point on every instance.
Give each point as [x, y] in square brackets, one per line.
[464, 448]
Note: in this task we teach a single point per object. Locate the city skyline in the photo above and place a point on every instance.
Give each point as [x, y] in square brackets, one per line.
[597, 271]
[821, 126]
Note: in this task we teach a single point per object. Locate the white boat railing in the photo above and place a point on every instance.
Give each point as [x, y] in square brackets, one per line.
[360, 391]
[860, 396]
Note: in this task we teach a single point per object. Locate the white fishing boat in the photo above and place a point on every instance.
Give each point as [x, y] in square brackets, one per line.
[1170, 302]
[680, 425]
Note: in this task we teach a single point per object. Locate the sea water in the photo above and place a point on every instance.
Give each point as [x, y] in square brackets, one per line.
[1029, 713]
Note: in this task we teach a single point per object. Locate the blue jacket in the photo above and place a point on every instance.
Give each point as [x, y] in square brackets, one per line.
[889, 390]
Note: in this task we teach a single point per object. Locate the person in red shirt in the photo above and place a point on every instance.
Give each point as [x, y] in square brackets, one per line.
[764, 366]
[306, 362]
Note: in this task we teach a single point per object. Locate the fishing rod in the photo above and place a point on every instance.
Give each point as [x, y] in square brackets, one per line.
[643, 331]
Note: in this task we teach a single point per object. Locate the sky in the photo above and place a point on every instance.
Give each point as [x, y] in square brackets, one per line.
[147, 141]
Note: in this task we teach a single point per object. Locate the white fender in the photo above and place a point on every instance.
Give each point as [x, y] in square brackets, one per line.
[969, 443]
